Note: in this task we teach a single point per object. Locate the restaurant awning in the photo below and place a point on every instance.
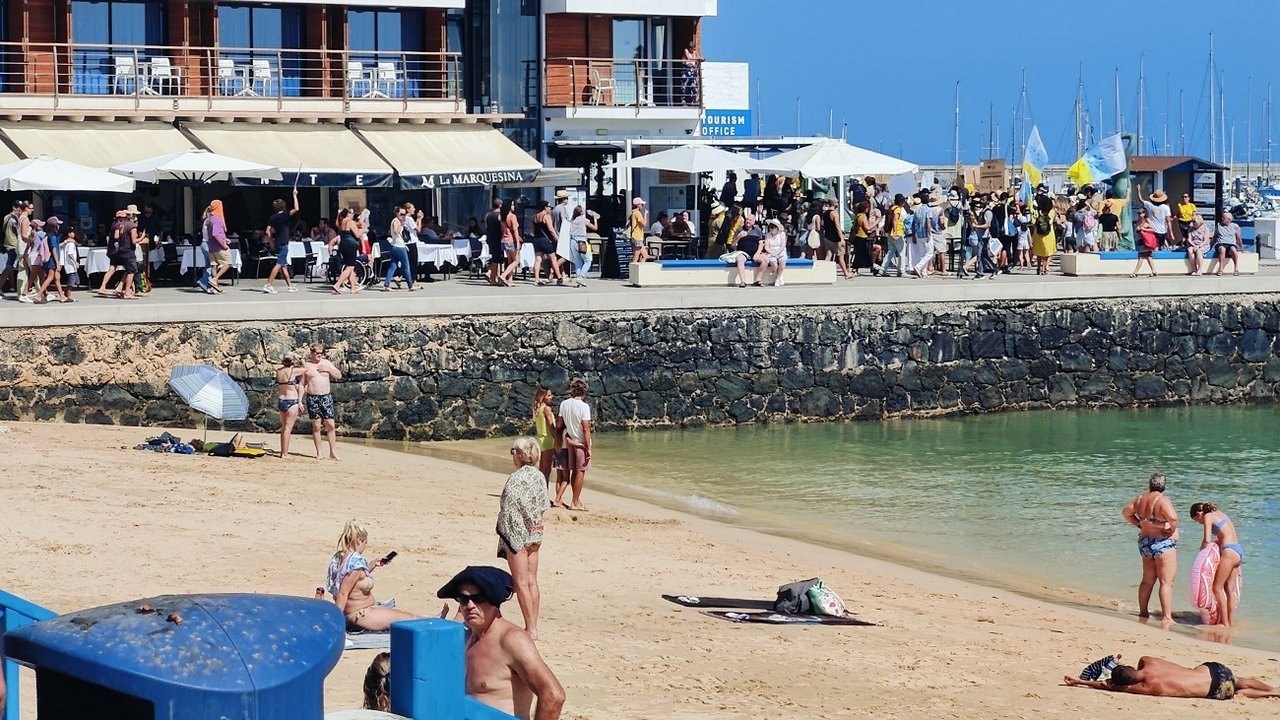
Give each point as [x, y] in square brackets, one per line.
[313, 155]
[6, 155]
[96, 144]
[439, 156]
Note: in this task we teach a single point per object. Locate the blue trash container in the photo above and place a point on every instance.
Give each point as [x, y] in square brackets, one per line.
[188, 657]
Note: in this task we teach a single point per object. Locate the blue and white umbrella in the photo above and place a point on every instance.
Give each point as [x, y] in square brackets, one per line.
[211, 391]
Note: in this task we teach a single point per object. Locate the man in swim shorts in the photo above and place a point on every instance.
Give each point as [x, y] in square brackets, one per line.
[318, 371]
[1161, 678]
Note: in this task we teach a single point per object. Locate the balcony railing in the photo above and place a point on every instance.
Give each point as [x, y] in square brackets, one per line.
[70, 73]
[621, 82]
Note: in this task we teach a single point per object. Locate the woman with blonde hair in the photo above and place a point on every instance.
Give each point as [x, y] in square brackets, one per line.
[544, 427]
[524, 500]
[350, 582]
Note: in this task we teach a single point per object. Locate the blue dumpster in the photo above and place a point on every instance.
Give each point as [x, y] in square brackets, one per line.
[184, 657]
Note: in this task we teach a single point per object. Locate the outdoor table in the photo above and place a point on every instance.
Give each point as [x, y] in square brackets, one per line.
[190, 258]
[298, 251]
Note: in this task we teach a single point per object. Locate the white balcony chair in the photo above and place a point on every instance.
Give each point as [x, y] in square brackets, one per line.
[124, 81]
[600, 85]
[356, 79]
[388, 78]
[161, 79]
[228, 78]
[261, 78]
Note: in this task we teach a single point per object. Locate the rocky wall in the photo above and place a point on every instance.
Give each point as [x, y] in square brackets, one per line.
[462, 377]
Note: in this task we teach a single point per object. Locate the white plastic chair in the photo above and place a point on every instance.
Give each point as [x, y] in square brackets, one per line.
[227, 78]
[125, 79]
[162, 77]
[388, 80]
[355, 78]
[600, 85]
[261, 79]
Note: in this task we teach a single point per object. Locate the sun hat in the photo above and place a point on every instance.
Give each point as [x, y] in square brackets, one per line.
[1159, 196]
[37, 223]
[915, 202]
[716, 208]
[53, 220]
[935, 200]
[132, 210]
[562, 194]
[637, 202]
[121, 214]
[495, 584]
[774, 222]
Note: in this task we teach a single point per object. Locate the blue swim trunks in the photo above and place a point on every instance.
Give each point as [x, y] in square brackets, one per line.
[1149, 547]
[282, 255]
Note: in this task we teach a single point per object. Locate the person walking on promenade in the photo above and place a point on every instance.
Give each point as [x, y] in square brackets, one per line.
[834, 247]
[1219, 529]
[928, 227]
[636, 225]
[523, 503]
[1147, 243]
[1158, 211]
[545, 234]
[1044, 238]
[288, 388]
[895, 254]
[511, 242]
[583, 221]
[318, 372]
[575, 422]
[1157, 522]
[398, 238]
[53, 266]
[347, 244]
[218, 244]
[493, 239]
[278, 236]
[123, 253]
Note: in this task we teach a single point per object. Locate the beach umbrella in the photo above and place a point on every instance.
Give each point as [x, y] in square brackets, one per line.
[837, 158]
[211, 391]
[195, 166]
[50, 173]
[699, 159]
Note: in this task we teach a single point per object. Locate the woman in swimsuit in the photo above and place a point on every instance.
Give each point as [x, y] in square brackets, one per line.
[350, 583]
[288, 379]
[1157, 524]
[544, 424]
[1219, 528]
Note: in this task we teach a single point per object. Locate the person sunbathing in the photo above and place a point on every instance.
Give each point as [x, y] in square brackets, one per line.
[1161, 678]
[350, 583]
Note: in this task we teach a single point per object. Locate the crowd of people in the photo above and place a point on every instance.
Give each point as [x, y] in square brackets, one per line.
[504, 668]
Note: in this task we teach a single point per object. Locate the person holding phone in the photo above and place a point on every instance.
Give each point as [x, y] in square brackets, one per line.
[350, 582]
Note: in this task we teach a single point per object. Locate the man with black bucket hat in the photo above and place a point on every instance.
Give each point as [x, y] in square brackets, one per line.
[504, 668]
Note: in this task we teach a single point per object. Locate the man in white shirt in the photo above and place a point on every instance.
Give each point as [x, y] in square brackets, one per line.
[574, 421]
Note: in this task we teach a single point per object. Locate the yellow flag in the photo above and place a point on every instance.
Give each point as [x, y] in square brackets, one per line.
[1079, 173]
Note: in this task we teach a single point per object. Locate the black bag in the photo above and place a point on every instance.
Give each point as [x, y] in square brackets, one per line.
[793, 599]
[222, 450]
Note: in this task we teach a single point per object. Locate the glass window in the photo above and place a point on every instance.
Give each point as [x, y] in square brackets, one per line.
[378, 41]
[255, 37]
[123, 24]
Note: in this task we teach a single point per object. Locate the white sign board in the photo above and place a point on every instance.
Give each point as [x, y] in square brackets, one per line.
[726, 85]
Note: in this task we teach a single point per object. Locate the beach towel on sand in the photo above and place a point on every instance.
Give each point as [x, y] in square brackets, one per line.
[697, 601]
[772, 618]
[368, 640]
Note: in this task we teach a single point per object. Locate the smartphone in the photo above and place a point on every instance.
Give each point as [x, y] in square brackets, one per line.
[389, 557]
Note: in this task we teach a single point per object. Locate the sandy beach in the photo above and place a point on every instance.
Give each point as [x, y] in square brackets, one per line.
[91, 522]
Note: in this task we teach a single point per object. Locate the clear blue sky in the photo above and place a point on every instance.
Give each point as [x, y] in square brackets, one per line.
[889, 69]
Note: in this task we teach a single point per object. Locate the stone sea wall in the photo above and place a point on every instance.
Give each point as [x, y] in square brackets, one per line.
[464, 377]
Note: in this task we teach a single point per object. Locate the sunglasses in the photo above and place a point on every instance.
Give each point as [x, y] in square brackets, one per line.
[464, 598]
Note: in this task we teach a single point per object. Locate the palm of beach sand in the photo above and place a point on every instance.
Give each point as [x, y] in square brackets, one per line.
[94, 523]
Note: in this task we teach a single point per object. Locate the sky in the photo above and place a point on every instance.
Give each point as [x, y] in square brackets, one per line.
[889, 70]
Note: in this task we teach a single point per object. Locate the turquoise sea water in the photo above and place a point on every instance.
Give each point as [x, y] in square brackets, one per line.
[1029, 501]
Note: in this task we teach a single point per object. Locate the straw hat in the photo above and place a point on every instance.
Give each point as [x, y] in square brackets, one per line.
[562, 194]
[1159, 196]
[132, 210]
[915, 202]
[935, 200]
[717, 208]
[773, 222]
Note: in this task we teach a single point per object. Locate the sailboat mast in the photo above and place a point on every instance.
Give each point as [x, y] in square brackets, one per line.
[1213, 108]
[1266, 155]
[1142, 79]
[991, 129]
[1079, 101]
[1182, 124]
[1119, 117]
[957, 128]
[1248, 129]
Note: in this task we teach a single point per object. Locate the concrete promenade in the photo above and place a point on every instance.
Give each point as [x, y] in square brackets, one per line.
[462, 295]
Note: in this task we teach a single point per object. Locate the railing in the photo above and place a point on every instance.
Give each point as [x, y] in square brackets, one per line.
[620, 82]
[15, 613]
[69, 72]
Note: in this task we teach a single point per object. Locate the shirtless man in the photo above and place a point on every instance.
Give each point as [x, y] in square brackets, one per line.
[1159, 677]
[504, 669]
[1157, 524]
[317, 373]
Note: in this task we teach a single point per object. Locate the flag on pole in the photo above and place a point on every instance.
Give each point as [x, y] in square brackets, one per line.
[1034, 158]
[1100, 162]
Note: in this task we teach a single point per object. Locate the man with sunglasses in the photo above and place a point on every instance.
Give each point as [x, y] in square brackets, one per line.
[504, 668]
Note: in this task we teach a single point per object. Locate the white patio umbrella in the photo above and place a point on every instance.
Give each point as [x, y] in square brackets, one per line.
[700, 159]
[837, 158]
[196, 166]
[49, 173]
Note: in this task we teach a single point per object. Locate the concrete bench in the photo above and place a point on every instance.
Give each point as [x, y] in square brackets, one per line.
[713, 273]
[1167, 262]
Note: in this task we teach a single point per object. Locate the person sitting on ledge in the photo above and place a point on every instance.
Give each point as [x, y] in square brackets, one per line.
[504, 668]
[1161, 678]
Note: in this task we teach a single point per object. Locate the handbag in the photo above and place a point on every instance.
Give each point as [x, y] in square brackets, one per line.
[1149, 240]
[813, 240]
